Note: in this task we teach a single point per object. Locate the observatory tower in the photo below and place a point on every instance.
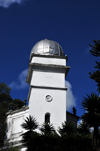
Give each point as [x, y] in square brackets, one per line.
[46, 77]
[47, 94]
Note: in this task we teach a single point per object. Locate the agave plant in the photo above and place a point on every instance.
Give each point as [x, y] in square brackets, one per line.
[91, 104]
[30, 125]
[67, 128]
[83, 128]
[47, 129]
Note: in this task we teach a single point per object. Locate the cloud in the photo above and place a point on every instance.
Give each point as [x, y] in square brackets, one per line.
[70, 99]
[7, 3]
[20, 83]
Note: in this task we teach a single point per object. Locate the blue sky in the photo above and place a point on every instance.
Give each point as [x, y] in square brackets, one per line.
[72, 23]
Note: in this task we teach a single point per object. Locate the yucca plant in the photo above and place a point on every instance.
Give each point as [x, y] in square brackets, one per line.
[47, 128]
[30, 124]
[91, 104]
[67, 128]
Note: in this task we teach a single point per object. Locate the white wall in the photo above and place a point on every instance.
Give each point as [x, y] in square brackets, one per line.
[44, 60]
[53, 79]
[14, 121]
[23, 149]
[38, 106]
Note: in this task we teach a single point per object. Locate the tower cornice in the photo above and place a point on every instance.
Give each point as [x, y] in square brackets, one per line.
[46, 67]
[45, 87]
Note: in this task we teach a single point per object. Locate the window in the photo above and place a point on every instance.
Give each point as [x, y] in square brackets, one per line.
[47, 118]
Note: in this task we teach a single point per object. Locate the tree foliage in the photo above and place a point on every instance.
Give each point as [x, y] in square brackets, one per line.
[30, 124]
[7, 148]
[4, 88]
[48, 139]
[95, 51]
[47, 129]
[67, 129]
[6, 104]
[83, 128]
[91, 104]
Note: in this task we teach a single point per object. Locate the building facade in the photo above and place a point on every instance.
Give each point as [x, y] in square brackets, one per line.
[47, 94]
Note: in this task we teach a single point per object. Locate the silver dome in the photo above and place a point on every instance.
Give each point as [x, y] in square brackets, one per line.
[47, 47]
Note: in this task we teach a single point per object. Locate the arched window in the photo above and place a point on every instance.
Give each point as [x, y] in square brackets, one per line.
[47, 118]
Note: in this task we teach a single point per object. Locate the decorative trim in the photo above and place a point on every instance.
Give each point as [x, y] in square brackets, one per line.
[16, 143]
[45, 87]
[24, 108]
[47, 67]
[48, 98]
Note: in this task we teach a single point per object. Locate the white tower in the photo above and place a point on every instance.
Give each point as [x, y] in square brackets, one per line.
[46, 76]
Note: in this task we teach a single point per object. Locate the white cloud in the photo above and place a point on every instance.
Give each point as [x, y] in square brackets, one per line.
[7, 3]
[20, 83]
[70, 99]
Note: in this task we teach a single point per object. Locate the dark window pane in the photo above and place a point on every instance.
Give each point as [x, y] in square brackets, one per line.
[47, 118]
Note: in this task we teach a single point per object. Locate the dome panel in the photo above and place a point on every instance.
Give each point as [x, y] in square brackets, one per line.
[47, 47]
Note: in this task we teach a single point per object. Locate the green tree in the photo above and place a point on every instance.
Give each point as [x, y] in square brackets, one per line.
[91, 104]
[45, 140]
[16, 104]
[30, 138]
[6, 104]
[5, 99]
[68, 136]
[73, 140]
[95, 51]
[49, 137]
[67, 128]
[7, 148]
[4, 88]
[83, 142]
[83, 129]
[30, 125]
[47, 129]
